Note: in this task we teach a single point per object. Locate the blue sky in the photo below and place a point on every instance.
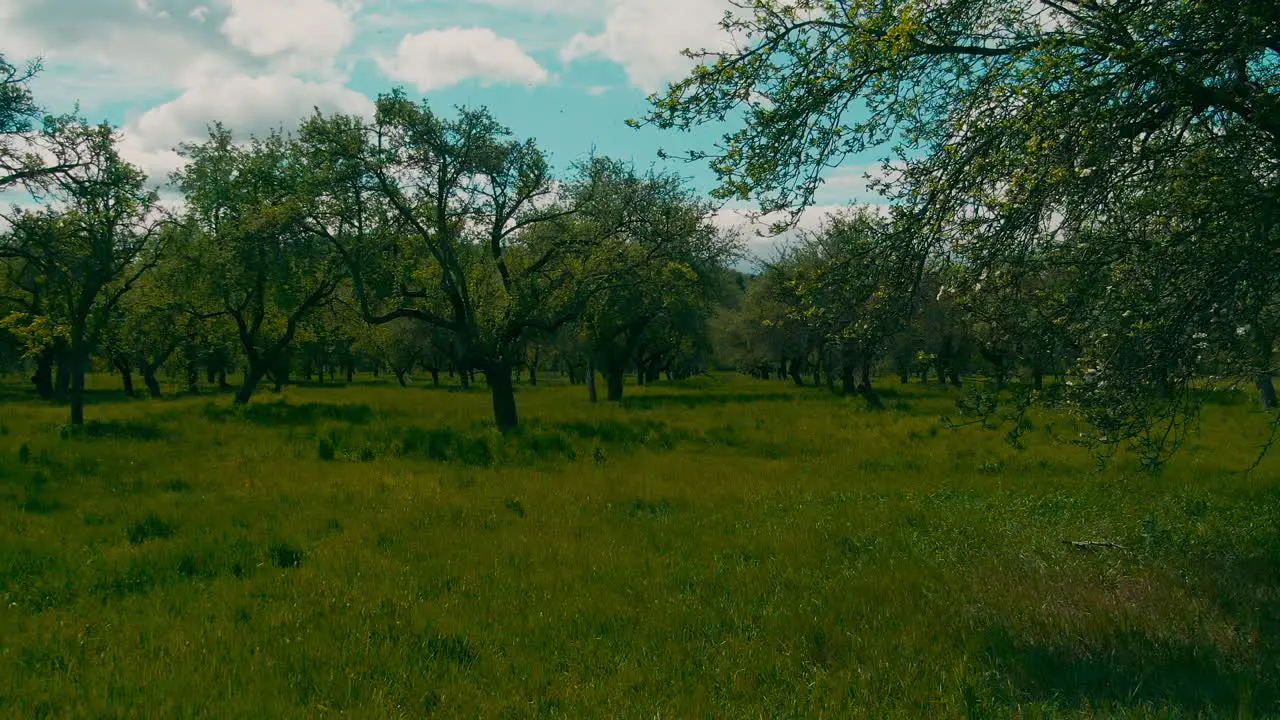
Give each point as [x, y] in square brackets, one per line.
[567, 72]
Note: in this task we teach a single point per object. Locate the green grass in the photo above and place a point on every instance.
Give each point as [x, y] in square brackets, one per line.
[719, 548]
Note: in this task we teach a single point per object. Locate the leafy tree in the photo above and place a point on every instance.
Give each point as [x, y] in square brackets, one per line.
[252, 259]
[94, 240]
[459, 246]
[1021, 125]
[666, 264]
[24, 132]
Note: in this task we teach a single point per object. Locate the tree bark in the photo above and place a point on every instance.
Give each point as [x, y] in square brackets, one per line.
[126, 375]
[591, 382]
[1266, 390]
[62, 382]
[149, 379]
[79, 359]
[193, 379]
[796, 377]
[1264, 345]
[400, 376]
[867, 389]
[503, 391]
[43, 378]
[614, 378]
[533, 375]
[252, 376]
[847, 384]
[435, 377]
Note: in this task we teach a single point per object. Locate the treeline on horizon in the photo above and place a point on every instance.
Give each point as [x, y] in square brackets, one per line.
[1081, 190]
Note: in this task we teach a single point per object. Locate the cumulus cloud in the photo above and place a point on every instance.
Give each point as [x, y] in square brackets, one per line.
[307, 33]
[755, 228]
[440, 58]
[247, 105]
[647, 36]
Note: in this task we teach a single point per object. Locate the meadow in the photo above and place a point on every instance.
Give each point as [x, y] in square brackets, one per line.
[719, 547]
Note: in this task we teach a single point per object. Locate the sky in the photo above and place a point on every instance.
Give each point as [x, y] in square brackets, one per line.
[568, 73]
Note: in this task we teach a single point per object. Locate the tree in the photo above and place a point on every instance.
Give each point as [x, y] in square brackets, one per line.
[251, 258]
[1026, 127]
[24, 132]
[667, 263]
[856, 283]
[97, 236]
[455, 224]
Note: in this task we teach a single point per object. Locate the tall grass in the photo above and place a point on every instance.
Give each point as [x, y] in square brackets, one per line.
[718, 548]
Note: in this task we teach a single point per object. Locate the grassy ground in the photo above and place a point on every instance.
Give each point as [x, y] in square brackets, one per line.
[720, 548]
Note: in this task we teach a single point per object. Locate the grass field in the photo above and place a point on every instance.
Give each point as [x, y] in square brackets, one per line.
[723, 547]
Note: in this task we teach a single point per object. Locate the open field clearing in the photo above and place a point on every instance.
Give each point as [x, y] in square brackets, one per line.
[721, 547]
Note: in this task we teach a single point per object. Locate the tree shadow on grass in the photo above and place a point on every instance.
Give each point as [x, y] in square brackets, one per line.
[278, 414]
[653, 401]
[1127, 669]
[115, 430]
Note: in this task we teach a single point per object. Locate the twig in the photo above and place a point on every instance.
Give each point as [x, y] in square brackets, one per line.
[1089, 544]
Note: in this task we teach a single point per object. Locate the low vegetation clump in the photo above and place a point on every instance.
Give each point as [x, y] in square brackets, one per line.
[757, 550]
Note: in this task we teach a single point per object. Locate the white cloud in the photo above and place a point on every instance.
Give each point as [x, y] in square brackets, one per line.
[647, 36]
[440, 58]
[854, 183]
[305, 33]
[755, 228]
[246, 105]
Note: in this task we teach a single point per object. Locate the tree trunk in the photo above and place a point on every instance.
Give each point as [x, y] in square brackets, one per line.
[43, 379]
[614, 378]
[435, 377]
[1264, 346]
[591, 382]
[1266, 390]
[503, 392]
[955, 377]
[466, 379]
[126, 375]
[252, 376]
[867, 389]
[149, 379]
[847, 384]
[533, 375]
[796, 377]
[400, 377]
[640, 377]
[79, 359]
[351, 373]
[1037, 378]
[62, 384]
[904, 375]
[193, 379]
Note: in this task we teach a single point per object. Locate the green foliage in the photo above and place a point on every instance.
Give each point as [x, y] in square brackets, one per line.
[1132, 148]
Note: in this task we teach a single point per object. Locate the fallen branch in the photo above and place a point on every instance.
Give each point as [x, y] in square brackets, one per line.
[1089, 544]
